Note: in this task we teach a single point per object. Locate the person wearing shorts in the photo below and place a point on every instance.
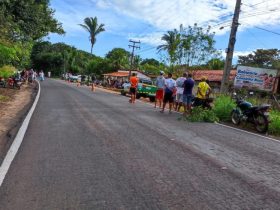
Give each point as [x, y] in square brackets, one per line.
[170, 87]
[180, 89]
[203, 92]
[187, 94]
[160, 82]
[133, 87]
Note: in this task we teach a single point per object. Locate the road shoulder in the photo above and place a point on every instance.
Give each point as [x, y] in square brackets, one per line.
[13, 113]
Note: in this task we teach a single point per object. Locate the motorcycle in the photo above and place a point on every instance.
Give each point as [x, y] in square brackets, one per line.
[14, 82]
[204, 103]
[246, 112]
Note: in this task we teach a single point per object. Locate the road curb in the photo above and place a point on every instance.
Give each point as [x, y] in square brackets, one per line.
[18, 140]
[248, 132]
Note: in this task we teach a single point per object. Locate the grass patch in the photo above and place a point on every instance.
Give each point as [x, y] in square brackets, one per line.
[274, 126]
[202, 115]
[3, 98]
[223, 106]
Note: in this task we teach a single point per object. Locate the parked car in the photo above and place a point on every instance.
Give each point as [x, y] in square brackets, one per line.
[75, 78]
[145, 89]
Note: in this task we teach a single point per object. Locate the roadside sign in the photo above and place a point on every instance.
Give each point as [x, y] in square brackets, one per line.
[257, 78]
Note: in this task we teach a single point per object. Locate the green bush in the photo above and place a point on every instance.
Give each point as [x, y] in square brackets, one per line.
[221, 111]
[202, 115]
[274, 126]
[7, 54]
[223, 106]
[7, 71]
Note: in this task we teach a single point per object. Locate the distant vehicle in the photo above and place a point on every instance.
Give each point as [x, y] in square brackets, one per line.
[145, 89]
[75, 78]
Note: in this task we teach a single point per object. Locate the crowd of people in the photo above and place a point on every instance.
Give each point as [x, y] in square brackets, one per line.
[27, 75]
[177, 93]
[30, 75]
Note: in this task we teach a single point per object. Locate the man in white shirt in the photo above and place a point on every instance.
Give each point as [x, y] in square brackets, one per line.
[179, 94]
[169, 91]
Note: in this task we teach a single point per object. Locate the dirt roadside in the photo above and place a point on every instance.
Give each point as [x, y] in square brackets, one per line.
[12, 113]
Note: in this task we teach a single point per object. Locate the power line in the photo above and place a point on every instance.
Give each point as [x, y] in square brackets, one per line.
[261, 10]
[147, 49]
[258, 14]
[268, 30]
[260, 3]
[241, 18]
[253, 35]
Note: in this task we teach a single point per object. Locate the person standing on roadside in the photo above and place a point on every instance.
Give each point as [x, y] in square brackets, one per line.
[41, 75]
[188, 94]
[133, 87]
[203, 92]
[160, 82]
[179, 94]
[170, 89]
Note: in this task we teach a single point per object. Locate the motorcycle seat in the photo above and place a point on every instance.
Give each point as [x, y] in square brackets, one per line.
[254, 107]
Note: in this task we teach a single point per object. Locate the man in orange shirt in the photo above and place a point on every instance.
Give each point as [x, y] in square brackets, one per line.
[133, 87]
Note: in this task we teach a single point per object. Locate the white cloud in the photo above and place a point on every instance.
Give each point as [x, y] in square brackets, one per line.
[120, 16]
[153, 39]
[236, 53]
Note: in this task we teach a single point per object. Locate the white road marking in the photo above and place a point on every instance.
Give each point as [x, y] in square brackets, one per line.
[248, 132]
[17, 141]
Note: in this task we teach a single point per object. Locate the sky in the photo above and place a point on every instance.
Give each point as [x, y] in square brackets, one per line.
[147, 20]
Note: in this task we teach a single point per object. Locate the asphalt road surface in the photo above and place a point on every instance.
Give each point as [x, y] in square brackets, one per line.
[94, 150]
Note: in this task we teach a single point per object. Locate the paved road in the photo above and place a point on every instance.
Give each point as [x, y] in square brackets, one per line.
[87, 150]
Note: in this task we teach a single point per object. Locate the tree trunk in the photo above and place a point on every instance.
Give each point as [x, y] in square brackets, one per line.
[91, 49]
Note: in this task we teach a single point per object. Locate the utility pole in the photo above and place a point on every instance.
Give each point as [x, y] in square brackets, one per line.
[230, 49]
[134, 46]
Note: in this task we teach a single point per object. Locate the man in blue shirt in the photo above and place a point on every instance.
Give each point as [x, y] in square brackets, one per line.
[188, 94]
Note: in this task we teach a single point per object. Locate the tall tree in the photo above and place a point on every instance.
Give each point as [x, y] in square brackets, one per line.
[261, 58]
[150, 61]
[27, 20]
[197, 45]
[21, 23]
[119, 58]
[91, 25]
[215, 64]
[171, 44]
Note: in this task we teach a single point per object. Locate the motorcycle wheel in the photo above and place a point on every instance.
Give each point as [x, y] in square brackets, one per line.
[235, 118]
[261, 123]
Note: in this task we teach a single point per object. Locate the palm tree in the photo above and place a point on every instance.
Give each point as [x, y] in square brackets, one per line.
[172, 42]
[91, 25]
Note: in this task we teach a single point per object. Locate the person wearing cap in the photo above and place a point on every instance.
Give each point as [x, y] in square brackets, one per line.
[160, 82]
[203, 92]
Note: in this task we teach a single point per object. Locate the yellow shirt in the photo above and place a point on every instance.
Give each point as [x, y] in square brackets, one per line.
[203, 86]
